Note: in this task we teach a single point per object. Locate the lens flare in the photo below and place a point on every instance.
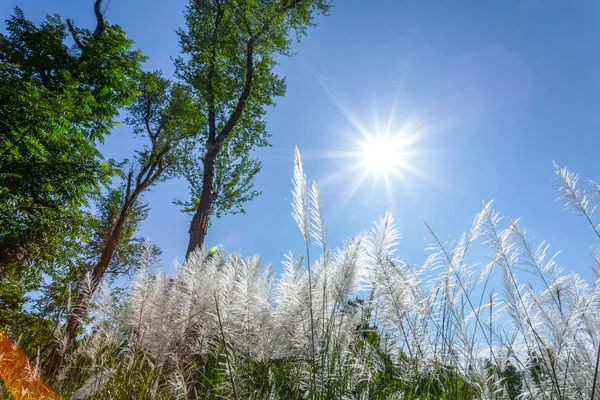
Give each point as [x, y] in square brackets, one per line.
[216, 248]
[19, 376]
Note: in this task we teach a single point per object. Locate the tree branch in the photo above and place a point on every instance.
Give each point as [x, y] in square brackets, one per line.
[100, 25]
[128, 190]
[147, 117]
[243, 99]
[74, 34]
[212, 126]
[153, 173]
[290, 5]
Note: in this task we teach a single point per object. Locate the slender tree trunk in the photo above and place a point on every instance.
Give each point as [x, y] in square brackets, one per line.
[199, 225]
[82, 304]
[83, 299]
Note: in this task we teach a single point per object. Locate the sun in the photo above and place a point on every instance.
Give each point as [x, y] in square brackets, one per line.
[388, 154]
[381, 153]
[388, 158]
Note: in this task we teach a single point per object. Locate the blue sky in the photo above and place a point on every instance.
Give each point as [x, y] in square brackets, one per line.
[500, 89]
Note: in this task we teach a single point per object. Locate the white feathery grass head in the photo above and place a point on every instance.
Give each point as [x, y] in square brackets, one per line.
[102, 304]
[578, 200]
[138, 301]
[104, 323]
[148, 255]
[292, 314]
[86, 291]
[348, 269]
[394, 287]
[317, 221]
[300, 202]
[575, 199]
[250, 313]
[382, 240]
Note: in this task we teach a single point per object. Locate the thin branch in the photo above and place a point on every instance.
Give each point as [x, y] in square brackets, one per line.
[74, 34]
[243, 99]
[129, 179]
[100, 26]
[149, 170]
[212, 126]
[147, 117]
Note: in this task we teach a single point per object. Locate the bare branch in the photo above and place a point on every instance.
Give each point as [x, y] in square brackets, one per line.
[147, 117]
[100, 25]
[129, 179]
[211, 100]
[153, 168]
[74, 34]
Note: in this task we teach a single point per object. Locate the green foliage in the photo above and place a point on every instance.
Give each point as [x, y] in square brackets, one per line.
[513, 382]
[234, 179]
[511, 378]
[56, 103]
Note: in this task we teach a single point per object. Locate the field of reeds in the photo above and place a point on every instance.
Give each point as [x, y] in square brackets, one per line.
[354, 322]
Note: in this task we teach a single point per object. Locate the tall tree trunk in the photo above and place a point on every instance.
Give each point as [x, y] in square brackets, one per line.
[199, 225]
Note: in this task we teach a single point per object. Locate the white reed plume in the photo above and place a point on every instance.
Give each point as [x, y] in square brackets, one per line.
[317, 222]
[292, 315]
[300, 201]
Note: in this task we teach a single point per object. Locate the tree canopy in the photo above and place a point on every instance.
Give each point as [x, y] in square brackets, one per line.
[58, 101]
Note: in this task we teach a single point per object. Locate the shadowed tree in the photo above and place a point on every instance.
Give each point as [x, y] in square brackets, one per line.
[57, 102]
[231, 49]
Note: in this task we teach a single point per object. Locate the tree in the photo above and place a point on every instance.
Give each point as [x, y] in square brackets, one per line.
[163, 114]
[231, 49]
[512, 378]
[56, 102]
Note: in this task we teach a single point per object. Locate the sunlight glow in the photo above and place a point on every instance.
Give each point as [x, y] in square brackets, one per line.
[382, 153]
[388, 155]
